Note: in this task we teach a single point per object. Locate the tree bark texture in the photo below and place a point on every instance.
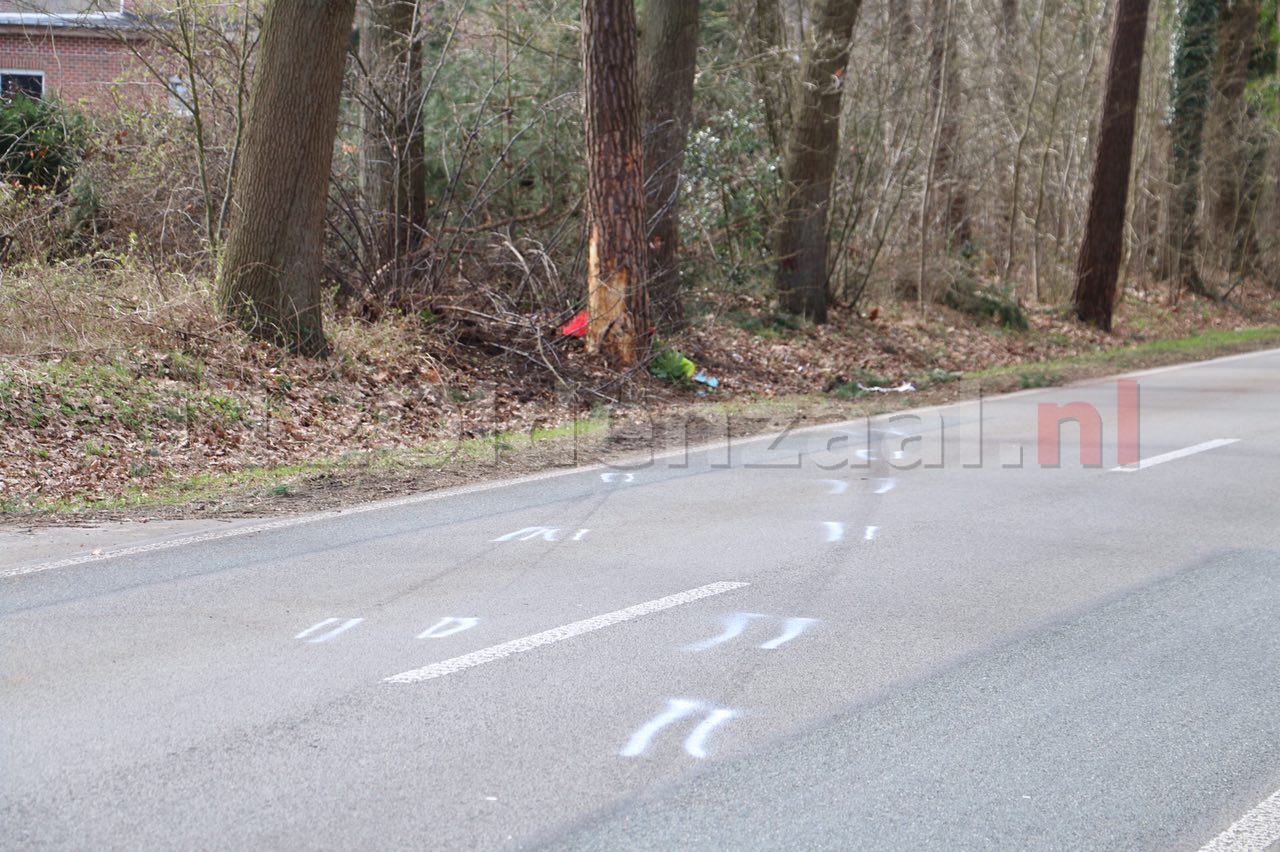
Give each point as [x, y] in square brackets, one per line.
[809, 163]
[393, 152]
[1098, 263]
[1233, 171]
[616, 257]
[944, 102]
[1192, 64]
[668, 60]
[270, 277]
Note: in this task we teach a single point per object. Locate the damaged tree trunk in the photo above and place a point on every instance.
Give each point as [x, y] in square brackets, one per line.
[617, 298]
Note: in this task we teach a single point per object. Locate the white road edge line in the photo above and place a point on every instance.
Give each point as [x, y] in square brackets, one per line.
[1176, 454]
[1255, 831]
[446, 493]
[559, 634]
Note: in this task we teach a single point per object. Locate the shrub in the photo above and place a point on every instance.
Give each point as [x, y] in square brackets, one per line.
[41, 143]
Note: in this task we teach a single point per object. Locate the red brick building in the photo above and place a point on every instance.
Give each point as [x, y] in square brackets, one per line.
[76, 50]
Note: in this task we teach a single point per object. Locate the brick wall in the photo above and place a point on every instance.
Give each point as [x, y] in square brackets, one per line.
[79, 68]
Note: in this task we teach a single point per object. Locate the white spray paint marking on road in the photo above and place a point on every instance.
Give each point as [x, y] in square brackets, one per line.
[559, 634]
[835, 530]
[793, 628]
[544, 533]
[448, 626]
[733, 627]
[870, 534]
[838, 486]
[615, 476]
[886, 485]
[695, 745]
[529, 533]
[677, 709]
[1257, 830]
[313, 628]
[325, 637]
[1176, 454]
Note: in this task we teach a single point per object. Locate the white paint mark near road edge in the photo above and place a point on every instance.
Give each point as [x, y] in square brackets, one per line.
[559, 634]
[835, 530]
[793, 628]
[1255, 831]
[1176, 454]
[677, 709]
[448, 626]
[695, 745]
[838, 486]
[870, 534]
[325, 637]
[733, 627]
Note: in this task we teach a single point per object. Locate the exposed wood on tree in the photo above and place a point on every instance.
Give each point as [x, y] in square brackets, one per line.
[616, 258]
[1098, 263]
[810, 162]
[668, 60]
[270, 278]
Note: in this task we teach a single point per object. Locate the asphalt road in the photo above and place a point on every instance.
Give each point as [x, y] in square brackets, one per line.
[902, 634]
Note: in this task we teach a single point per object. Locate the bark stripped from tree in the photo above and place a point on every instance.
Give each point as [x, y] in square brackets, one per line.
[810, 162]
[1098, 264]
[393, 153]
[270, 278]
[616, 260]
[668, 60]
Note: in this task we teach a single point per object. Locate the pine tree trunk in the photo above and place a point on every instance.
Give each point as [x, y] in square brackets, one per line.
[1098, 264]
[810, 162]
[393, 152]
[616, 260]
[1192, 63]
[668, 60]
[270, 279]
[1232, 173]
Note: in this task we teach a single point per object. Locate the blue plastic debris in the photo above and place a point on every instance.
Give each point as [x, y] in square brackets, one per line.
[704, 379]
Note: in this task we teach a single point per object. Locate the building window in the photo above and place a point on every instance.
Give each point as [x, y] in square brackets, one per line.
[29, 83]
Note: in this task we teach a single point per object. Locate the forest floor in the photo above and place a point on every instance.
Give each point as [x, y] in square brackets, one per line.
[136, 407]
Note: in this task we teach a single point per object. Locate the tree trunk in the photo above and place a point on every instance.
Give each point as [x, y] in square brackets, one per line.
[810, 162]
[1098, 264]
[1192, 63]
[1232, 178]
[944, 103]
[617, 298]
[771, 77]
[668, 60]
[270, 277]
[393, 152]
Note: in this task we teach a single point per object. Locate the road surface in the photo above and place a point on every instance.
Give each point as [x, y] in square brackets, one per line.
[908, 633]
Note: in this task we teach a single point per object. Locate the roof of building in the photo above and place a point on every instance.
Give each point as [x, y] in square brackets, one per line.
[72, 14]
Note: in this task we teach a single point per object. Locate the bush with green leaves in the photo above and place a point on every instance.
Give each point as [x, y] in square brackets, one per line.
[41, 143]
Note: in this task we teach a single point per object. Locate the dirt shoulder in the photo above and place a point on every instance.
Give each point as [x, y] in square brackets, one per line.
[217, 427]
